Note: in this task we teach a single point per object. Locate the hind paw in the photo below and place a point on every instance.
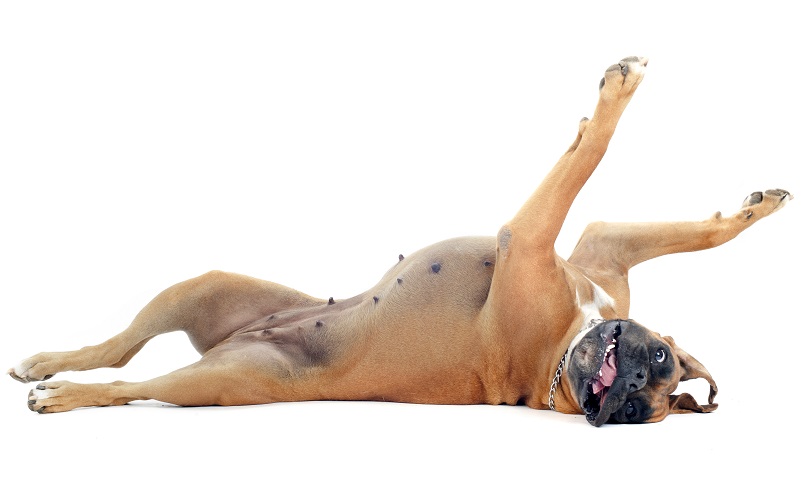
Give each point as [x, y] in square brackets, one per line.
[37, 368]
[49, 398]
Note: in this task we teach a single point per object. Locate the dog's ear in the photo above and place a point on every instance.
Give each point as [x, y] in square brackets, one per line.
[685, 403]
[691, 369]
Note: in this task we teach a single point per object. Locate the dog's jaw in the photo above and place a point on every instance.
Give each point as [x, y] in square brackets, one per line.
[593, 367]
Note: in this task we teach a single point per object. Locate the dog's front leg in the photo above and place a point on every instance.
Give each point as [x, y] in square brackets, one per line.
[532, 304]
[617, 247]
[526, 259]
[538, 223]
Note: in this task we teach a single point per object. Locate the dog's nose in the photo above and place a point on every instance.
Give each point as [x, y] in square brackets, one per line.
[632, 368]
[636, 380]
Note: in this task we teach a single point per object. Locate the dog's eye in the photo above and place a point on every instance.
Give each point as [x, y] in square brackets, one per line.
[630, 410]
[660, 356]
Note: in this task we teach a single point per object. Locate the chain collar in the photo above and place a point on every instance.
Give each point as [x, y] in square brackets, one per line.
[562, 363]
[555, 382]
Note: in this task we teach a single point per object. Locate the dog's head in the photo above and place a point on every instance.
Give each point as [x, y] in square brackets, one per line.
[622, 372]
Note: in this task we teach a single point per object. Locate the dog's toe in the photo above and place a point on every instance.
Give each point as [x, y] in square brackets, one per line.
[754, 198]
[779, 193]
[14, 374]
[44, 398]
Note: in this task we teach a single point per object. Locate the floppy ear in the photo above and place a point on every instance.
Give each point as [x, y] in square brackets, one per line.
[690, 369]
[685, 403]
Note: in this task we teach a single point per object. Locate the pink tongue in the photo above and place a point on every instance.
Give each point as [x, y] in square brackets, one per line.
[609, 370]
[608, 374]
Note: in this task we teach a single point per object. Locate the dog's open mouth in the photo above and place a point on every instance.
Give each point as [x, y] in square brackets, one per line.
[598, 386]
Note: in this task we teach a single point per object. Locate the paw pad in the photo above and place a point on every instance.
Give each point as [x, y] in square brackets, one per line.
[780, 193]
[753, 199]
[765, 203]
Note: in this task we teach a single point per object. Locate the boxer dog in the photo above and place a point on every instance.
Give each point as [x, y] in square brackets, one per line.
[496, 320]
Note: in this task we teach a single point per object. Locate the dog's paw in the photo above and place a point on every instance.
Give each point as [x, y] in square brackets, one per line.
[761, 204]
[37, 368]
[53, 397]
[621, 79]
[43, 398]
[46, 398]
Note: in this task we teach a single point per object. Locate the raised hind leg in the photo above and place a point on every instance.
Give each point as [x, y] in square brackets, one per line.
[208, 308]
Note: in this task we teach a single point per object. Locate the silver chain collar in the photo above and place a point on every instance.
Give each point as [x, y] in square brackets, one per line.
[561, 364]
[555, 382]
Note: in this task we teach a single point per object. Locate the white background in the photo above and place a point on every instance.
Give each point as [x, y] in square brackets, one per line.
[310, 143]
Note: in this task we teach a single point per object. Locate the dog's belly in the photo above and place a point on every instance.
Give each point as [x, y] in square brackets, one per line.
[415, 336]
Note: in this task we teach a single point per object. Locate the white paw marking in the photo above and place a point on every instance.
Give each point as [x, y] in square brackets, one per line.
[38, 394]
[19, 369]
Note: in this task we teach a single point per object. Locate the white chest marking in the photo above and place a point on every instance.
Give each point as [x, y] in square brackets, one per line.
[591, 312]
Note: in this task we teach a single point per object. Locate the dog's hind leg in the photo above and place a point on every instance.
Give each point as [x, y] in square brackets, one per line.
[211, 381]
[208, 308]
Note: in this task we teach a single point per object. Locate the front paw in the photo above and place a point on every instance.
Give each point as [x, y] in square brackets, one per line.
[761, 204]
[621, 79]
[37, 368]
